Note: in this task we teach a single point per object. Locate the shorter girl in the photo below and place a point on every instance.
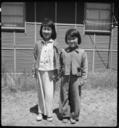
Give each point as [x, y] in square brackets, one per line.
[74, 69]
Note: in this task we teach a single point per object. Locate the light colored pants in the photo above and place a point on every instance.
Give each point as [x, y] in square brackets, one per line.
[45, 91]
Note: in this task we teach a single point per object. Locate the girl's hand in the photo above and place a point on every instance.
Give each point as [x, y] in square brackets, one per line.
[80, 81]
[61, 73]
[34, 72]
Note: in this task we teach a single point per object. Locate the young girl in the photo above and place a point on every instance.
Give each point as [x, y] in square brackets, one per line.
[74, 68]
[46, 66]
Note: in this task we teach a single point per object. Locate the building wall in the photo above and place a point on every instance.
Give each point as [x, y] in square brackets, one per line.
[17, 48]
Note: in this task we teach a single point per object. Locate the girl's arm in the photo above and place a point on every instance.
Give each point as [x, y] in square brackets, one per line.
[56, 56]
[84, 67]
[61, 64]
[35, 52]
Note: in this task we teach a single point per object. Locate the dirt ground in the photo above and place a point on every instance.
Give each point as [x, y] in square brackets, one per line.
[98, 108]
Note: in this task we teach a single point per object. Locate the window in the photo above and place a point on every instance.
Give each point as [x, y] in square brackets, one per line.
[12, 15]
[30, 12]
[45, 9]
[80, 12]
[66, 12]
[97, 17]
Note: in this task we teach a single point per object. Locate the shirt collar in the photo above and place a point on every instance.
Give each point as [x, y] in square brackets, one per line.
[69, 49]
[49, 41]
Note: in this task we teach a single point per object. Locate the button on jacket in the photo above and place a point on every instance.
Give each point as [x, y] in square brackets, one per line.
[74, 62]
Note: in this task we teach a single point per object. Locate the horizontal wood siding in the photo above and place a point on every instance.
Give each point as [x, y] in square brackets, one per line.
[25, 43]
[30, 29]
[101, 60]
[114, 38]
[24, 60]
[8, 60]
[114, 64]
[38, 32]
[88, 42]
[102, 41]
[7, 40]
[90, 59]
[61, 31]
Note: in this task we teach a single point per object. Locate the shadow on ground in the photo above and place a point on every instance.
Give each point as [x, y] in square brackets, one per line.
[34, 109]
[56, 111]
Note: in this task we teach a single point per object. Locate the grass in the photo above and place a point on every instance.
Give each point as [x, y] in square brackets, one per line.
[18, 82]
[106, 79]
[26, 82]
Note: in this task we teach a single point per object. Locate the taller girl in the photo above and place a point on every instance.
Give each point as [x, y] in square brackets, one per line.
[46, 65]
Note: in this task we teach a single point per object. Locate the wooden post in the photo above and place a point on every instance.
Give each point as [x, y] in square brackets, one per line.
[56, 14]
[109, 51]
[110, 41]
[112, 34]
[14, 51]
[75, 14]
[93, 64]
[35, 36]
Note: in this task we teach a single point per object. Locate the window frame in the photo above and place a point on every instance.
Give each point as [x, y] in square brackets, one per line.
[106, 31]
[14, 27]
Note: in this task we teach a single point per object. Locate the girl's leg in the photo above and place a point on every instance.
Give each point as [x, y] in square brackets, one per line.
[75, 97]
[64, 107]
[48, 91]
[40, 90]
[40, 94]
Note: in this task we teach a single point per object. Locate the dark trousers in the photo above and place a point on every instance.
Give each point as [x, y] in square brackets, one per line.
[70, 97]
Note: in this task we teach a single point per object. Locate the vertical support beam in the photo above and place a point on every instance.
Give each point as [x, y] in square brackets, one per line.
[110, 36]
[111, 41]
[35, 36]
[25, 28]
[93, 64]
[109, 52]
[35, 31]
[75, 13]
[14, 40]
[56, 15]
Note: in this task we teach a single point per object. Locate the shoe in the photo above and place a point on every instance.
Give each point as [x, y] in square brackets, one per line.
[50, 119]
[77, 119]
[39, 117]
[72, 121]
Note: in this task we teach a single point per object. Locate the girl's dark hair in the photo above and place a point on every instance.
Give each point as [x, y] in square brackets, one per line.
[49, 23]
[73, 33]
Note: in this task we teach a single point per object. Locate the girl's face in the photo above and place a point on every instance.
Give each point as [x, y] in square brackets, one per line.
[72, 41]
[46, 32]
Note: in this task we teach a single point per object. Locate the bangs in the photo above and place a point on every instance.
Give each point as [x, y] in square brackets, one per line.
[73, 34]
[47, 23]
